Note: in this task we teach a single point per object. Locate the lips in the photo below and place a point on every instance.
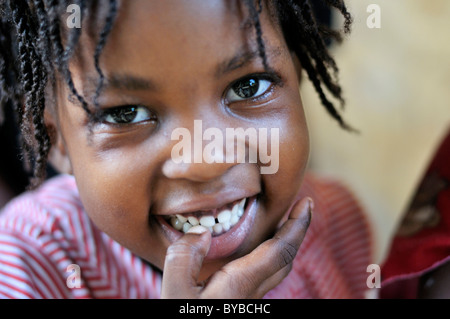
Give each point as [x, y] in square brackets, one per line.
[229, 224]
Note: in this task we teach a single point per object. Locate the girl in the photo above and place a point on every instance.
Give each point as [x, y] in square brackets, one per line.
[128, 220]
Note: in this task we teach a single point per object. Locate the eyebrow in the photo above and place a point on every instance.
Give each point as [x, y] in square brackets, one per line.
[242, 58]
[129, 82]
[136, 83]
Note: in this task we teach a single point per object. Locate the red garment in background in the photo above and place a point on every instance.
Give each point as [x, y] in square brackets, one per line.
[422, 242]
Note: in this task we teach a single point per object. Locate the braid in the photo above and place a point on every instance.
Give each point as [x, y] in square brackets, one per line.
[306, 64]
[25, 78]
[39, 52]
[340, 5]
[5, 87]
[45, 44]
[40, 132]
[74, 36]
[100, 45]
[59, 53]
[318, 51]
[254, 14]
[307, 38]
[36, 141]
[309, 45]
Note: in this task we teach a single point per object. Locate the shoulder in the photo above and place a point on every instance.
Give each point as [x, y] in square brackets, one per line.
[44, 233]
[34, 243]
[44, 211]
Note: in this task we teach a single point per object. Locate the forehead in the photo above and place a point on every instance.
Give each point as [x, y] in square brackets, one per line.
[183, 20]
[182, 35]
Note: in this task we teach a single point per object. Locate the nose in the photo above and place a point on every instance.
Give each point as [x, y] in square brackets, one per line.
[201, 156]
[196, 172]
[201, 163]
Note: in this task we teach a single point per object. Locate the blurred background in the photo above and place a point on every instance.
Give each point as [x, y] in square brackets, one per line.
[396, 82]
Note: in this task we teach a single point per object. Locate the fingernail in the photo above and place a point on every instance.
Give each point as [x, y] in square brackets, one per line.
[197, 230]
[310, 208]
[310, 204]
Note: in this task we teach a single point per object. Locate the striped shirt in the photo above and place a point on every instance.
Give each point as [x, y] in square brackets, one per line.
[49, 248]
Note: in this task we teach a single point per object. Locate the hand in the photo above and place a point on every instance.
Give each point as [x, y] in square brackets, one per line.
[250, 276]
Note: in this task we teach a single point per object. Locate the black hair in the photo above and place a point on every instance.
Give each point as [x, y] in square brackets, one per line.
[34, 46]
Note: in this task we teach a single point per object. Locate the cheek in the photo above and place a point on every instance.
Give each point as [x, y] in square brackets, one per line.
[112, 192]
[294, 149]
[282, 187]
[115, 190]
[116, 196]
[118, 175]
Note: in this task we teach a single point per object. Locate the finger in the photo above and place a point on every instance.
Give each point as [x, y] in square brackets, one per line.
[183, 262]
[248, 273]
[271, 282]
[274, 280]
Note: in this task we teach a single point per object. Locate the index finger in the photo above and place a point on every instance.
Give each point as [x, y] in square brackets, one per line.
[248, 273]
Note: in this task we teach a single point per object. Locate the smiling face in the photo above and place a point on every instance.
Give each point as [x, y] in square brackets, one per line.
[166, 64]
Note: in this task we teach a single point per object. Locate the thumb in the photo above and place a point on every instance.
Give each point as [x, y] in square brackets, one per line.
[183, 263]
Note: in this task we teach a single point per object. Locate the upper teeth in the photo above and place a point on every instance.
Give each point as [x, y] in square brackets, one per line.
[216, 225]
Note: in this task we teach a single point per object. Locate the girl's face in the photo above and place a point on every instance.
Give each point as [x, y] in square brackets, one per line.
[166, 64]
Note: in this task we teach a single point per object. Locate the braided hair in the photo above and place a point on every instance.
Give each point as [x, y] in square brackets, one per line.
[34, 46]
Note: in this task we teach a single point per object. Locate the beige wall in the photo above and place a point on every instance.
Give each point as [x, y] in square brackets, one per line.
[396, 81]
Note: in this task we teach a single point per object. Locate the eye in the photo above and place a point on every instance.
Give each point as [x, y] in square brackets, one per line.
[248, 88]
[129, 114]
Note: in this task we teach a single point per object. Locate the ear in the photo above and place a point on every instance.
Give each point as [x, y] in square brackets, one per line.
[58, 156]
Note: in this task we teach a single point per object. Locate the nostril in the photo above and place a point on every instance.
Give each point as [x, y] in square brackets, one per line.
[197, 172]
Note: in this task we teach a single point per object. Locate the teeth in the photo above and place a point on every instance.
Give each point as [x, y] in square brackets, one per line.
[224, 216]
[235, 209]
[234, 219]
[193, 221]
[217, 226]
[241, 207]
[207, 221]
[176, 223]
[181, 218]
[186, 227]
[240, 212]
[226, 226]
[242, 203]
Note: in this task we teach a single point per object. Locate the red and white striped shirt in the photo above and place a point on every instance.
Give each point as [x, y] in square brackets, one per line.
[45, 231]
